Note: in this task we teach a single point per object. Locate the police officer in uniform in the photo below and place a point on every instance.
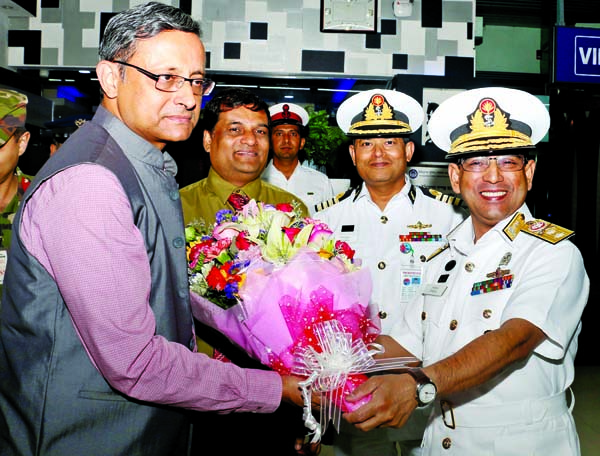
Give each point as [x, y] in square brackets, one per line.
[289, 128]
[497, 319]
[392, 225]
[13, 183]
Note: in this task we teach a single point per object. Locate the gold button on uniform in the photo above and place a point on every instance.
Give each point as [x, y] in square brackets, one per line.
[383, 219]
[453, 325]
[446, 443]
[469, 267]
[487, 313]
[382, 314]
[423, 316]
[381, 265]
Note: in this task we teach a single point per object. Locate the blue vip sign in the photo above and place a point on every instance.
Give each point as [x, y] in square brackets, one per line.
[577, 56]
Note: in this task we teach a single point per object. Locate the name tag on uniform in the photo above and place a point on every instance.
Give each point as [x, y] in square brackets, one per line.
[347, 234]
[434, 289]
[3, 260]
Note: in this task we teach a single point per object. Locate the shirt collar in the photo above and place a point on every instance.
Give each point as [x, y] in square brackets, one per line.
[133, 145]
[408, 191]
[461, 237]
[223, 188]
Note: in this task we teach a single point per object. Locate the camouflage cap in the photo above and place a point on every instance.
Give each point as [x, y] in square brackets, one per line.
[13, 111]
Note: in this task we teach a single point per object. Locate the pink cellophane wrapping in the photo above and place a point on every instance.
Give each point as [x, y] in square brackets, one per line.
[279, 306]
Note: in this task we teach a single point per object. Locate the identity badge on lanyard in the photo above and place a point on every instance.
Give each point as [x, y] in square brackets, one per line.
[410, 277]
[411, 274]
[3, 261]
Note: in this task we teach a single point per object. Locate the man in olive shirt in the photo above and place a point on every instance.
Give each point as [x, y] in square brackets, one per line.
[236, 127]
[236, 135]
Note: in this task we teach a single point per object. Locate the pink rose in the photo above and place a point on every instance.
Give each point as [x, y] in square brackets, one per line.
[319, 234]
[227, 230]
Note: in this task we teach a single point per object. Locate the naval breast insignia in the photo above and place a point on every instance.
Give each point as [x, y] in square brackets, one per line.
[421, 235]
[419, 225]
[499, 279]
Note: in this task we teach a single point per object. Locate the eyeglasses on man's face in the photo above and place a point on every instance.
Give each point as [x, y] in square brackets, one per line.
[173, 82]
[509, 163]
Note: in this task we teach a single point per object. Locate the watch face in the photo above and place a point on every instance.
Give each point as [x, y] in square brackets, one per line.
[427, 393]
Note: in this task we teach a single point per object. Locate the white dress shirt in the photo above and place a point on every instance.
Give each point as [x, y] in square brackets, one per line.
[523, 409]
[395, 264]
[308, 184]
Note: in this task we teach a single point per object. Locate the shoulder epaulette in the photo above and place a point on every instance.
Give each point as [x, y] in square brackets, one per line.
[444, 197]
[541, 229]
[336, 199]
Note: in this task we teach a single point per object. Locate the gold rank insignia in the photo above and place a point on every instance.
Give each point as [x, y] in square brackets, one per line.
[541, 229]
[444, 197]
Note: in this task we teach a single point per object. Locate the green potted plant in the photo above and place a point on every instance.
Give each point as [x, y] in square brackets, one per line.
[326, 148]
[323, 141]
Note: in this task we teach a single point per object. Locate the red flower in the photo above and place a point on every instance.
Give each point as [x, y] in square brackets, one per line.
[194, 255]
[291, 233]
[284, 207]
[242, 242]
[343, 247]
[217, 278]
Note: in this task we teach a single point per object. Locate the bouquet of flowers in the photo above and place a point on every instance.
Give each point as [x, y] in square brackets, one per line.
[283, 289]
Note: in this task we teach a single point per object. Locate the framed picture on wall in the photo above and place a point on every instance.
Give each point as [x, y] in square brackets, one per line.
[349, 16]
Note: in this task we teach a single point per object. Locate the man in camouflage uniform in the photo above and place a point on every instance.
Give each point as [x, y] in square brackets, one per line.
[13, 183]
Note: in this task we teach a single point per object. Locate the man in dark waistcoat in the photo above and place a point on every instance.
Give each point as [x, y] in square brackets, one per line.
[97, 349]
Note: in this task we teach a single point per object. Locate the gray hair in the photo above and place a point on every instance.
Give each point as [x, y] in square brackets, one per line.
[142, 22]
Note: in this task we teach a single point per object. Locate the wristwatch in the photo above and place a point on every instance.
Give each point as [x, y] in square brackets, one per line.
[426, 389]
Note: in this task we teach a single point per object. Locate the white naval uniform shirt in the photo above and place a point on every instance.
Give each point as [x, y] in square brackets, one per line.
[308, 184]
[375, 235]
[549, 289]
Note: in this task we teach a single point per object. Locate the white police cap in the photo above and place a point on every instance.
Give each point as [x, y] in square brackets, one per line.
[288, 113]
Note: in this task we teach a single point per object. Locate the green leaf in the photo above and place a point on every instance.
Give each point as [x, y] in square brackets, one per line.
[323, 139]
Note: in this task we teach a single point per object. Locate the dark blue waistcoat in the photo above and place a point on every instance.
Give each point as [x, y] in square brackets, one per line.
[53, 401]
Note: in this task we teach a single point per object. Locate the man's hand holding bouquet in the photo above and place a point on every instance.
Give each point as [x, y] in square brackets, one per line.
[284, 290]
